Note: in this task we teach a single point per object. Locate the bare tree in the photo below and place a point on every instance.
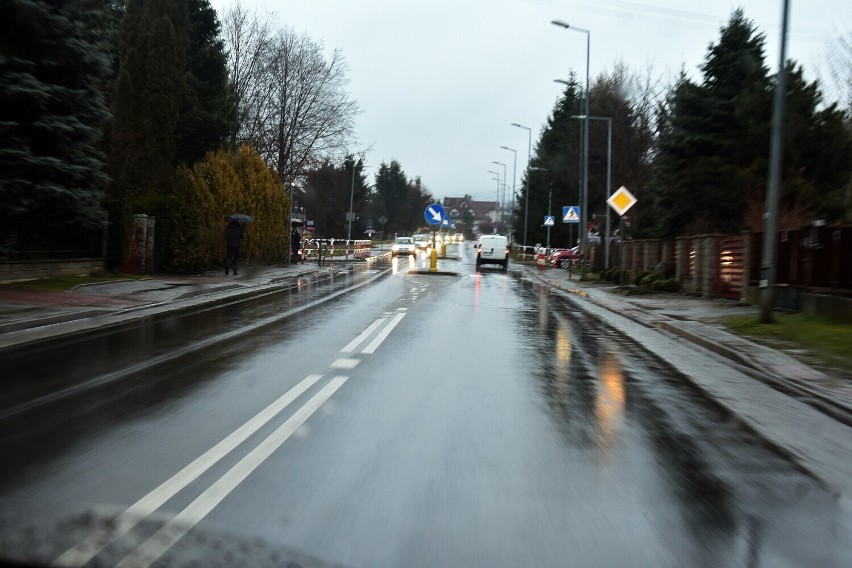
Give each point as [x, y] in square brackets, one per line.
[249, 40]
[840, 65]
[295, 108]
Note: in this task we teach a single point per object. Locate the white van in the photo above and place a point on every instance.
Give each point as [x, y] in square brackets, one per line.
[492, 249]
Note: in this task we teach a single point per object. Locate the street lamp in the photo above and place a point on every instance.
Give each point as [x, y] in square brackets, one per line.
[497, 203]
[549, 199]
[503, 200]
[529, 156]
[514, 177]
[608, 176]
[584, 229]
[290, 234]
[351, 201]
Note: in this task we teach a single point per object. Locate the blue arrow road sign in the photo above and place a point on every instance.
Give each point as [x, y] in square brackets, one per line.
[434, 214]
[549, 221]
[571, 214]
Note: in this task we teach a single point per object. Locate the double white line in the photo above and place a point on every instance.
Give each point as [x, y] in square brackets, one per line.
[152, 549]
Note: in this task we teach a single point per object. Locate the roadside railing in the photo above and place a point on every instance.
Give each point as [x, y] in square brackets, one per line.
[336, 249]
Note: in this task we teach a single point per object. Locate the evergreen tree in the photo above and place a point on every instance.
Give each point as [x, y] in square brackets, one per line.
[558, 151]
[146, 108]
[208, 114]
[148, 96]
[711, 164]
[399, 199]
[51, 111]
[817, 156]
[327, 193]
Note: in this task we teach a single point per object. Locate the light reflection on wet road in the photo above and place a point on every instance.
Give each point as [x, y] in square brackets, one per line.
[493, 425]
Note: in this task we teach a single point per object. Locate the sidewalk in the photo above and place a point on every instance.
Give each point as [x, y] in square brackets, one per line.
[801, 412]
[698, 320]
[28, 317]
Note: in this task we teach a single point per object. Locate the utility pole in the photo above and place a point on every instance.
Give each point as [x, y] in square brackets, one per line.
[767, 265]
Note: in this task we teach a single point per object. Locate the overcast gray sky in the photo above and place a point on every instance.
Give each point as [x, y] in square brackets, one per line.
[440, 81]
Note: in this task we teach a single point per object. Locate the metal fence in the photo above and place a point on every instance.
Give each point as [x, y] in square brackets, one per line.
[811, 257]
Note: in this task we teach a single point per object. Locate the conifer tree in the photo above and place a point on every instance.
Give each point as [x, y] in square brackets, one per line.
[51, 112]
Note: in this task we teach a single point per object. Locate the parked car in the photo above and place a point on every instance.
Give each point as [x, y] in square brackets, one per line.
[564, 258]
[403, 246]
[492, 249]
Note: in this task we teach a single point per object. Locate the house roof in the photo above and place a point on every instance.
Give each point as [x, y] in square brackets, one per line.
[459, 204]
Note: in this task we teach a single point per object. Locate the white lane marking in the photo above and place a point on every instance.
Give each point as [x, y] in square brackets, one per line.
[371, 348]
[345, 363]
[364, 335]
[100, 539]
[152, 549]
[179, 352]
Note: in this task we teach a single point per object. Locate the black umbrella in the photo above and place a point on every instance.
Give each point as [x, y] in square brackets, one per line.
[241, 218]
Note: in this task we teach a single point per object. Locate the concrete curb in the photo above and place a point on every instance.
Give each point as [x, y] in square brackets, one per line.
[95, 321]
[806, 435]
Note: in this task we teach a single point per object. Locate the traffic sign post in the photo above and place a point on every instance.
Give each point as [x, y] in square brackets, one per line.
[621, 201]
[382, 221]
[434, 214]
[571, 214]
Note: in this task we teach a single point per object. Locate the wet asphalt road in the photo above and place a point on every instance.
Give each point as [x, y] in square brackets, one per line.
[416, 420]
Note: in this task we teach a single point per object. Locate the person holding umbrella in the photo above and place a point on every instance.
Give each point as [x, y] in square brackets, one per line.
[234, 234]
[296, 245]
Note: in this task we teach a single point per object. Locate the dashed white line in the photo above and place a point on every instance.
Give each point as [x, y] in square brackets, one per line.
[345, 363]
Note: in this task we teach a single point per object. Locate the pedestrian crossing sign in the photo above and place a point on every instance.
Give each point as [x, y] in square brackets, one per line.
[549, 221]
[571, 214]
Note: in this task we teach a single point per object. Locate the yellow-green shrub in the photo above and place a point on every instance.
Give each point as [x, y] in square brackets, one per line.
[222, 184]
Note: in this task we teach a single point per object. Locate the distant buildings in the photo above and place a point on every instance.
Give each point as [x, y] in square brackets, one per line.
[469, 211]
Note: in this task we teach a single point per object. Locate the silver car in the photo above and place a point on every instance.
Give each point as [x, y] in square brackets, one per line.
[403, 246]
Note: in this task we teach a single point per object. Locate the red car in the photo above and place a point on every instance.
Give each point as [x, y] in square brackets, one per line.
[564, 258]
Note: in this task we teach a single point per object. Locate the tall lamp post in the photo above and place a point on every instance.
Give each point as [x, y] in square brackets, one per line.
[608, 176]
[502, 195]
[549, 199]
[290, 234]
[352, 199]
[527, 197]
[584, 211]
[514, 177]
[497, 203]
[351, 202]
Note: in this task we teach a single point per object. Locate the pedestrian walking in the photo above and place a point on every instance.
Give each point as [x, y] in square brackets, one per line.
[296, 245]
[234, 234]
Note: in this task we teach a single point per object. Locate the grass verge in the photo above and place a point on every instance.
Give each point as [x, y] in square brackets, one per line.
[815, 339]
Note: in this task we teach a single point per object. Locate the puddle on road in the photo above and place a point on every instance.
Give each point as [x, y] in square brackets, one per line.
[614, 403]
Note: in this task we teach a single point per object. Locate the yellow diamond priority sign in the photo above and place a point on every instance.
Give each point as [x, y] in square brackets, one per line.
[621, 200]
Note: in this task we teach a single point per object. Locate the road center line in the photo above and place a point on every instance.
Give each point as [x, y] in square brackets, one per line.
[371, 348]
[152, 549]
[100, 539]
[364, 335]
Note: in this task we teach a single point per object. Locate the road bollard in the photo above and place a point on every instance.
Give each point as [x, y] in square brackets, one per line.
[433, 260]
